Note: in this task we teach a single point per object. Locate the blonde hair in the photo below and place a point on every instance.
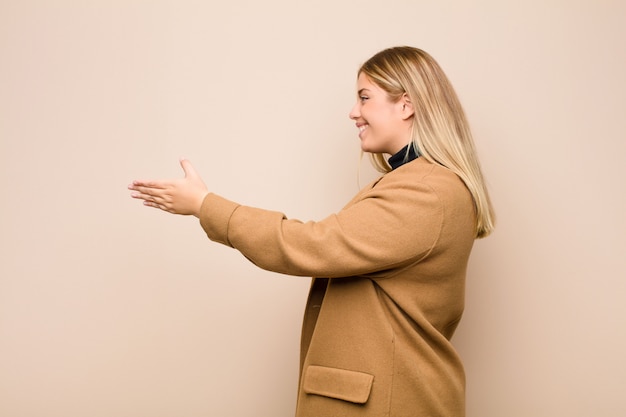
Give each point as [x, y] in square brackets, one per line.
[440, 130]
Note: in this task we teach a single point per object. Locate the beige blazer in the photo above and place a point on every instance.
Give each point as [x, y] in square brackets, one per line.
[388, 294]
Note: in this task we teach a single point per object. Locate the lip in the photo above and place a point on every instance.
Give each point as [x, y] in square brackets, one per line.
[362, 127]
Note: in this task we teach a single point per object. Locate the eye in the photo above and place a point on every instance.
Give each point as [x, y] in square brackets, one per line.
[363, 98]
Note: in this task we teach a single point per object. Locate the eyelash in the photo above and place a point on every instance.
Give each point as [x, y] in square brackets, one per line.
[363, 98]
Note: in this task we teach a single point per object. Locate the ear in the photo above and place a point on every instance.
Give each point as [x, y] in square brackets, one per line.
[407, 110]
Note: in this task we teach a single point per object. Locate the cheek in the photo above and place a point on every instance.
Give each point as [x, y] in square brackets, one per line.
[372, 114]
[379, 119]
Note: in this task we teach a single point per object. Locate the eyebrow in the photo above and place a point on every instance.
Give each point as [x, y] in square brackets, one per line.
[362, 90]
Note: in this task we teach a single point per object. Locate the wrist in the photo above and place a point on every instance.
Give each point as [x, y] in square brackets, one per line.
[199, 201]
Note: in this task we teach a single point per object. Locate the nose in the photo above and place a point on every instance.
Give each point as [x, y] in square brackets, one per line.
[355, 113]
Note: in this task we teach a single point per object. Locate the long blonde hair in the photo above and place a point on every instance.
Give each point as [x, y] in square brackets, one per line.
[440, 130]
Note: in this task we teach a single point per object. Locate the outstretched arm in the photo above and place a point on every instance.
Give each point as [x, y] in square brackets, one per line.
[178, 196]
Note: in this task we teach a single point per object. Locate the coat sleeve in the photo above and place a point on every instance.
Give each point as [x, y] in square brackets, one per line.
[390, 225]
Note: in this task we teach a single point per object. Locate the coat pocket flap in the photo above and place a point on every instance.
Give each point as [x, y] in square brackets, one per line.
[342, 384]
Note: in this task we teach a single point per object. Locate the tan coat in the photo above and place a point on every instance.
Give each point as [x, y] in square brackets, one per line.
[375, 337]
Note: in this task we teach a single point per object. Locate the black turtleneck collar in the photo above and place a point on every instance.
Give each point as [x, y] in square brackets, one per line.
[402, 156]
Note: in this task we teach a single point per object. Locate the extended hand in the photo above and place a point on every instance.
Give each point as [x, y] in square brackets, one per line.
[179, 196]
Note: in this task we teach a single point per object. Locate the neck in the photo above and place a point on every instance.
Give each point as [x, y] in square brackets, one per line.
[404, 155]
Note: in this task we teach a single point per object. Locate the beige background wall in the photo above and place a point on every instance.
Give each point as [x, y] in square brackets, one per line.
[111, 309]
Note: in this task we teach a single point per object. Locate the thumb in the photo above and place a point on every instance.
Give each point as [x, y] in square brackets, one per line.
[188, 168]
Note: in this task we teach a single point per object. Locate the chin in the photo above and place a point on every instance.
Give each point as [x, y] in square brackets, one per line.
[368, 149]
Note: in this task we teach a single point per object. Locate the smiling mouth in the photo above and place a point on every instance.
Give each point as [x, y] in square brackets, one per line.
[362, 127]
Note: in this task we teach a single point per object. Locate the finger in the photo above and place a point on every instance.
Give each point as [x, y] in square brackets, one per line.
[188, 168]
[163, 207]
[153, 205]
[146, 190]
[149, 194]
[150, 189]
[142, 196]
[149, 184]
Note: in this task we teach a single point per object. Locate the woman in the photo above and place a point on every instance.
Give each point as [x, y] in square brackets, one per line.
[390, 267]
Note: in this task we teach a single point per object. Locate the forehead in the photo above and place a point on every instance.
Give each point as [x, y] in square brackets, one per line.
[365, 82]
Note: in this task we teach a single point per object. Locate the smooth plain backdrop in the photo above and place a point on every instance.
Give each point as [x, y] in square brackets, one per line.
[108, 308]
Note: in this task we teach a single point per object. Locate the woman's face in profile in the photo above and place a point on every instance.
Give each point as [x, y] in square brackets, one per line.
[383, 126]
